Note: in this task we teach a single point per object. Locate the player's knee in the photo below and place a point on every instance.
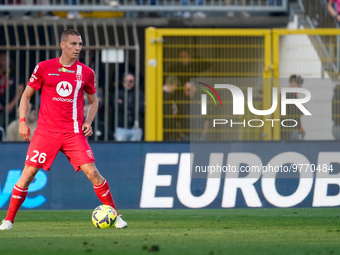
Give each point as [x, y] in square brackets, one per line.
[96, 178]
[92, 173]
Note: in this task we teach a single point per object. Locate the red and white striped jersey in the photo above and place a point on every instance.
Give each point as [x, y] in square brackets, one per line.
[62, 94]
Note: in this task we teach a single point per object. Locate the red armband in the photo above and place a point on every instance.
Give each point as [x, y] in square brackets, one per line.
[22, 120]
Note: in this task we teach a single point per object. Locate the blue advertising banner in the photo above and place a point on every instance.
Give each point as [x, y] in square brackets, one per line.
[158, 175]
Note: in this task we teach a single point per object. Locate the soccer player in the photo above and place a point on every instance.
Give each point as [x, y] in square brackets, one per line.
[61, 125]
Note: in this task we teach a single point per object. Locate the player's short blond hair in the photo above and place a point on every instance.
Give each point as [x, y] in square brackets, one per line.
[67, 33]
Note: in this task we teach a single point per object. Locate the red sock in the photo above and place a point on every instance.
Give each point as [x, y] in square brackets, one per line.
[18, 197]
[104, 194]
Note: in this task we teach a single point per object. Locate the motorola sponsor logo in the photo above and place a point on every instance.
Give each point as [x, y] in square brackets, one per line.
[61, 99]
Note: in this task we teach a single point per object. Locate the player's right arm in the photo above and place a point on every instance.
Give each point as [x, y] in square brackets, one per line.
[24, 129]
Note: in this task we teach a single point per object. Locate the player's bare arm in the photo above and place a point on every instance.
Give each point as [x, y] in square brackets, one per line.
[24, 129]
[91, 114]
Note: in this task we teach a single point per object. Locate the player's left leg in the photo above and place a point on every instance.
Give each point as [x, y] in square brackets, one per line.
[77, 149]
[102, 189]
[100, 185]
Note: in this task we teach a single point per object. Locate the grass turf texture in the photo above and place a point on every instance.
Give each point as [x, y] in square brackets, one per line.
[208, 231]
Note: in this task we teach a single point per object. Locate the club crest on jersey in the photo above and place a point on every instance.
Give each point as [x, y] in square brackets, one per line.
[79, 77]
[64, 88]
[64, 70]
[89, 153]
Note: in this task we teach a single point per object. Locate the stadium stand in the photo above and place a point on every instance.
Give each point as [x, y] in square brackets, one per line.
[119, 47]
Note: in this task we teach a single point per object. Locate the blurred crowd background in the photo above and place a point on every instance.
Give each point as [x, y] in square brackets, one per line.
[149, 55]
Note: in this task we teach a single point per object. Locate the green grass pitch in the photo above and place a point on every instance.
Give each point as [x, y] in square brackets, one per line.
[202, 231]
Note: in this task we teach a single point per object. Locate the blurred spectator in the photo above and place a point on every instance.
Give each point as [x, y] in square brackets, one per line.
[14, 93]
[122, 70]
[187, 14]
[336, 112]
[73, 14]
[13, 127]
[170, 108]
[293, 112]
[128, 129]
[231, 14]
[192, 124]
[334, 8]
[187, 65]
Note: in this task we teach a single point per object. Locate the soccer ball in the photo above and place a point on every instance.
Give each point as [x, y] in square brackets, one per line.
[104, 216]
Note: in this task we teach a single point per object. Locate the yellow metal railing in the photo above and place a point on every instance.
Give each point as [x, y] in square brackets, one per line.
[312, 54]
[215, 53]
[273, 55]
